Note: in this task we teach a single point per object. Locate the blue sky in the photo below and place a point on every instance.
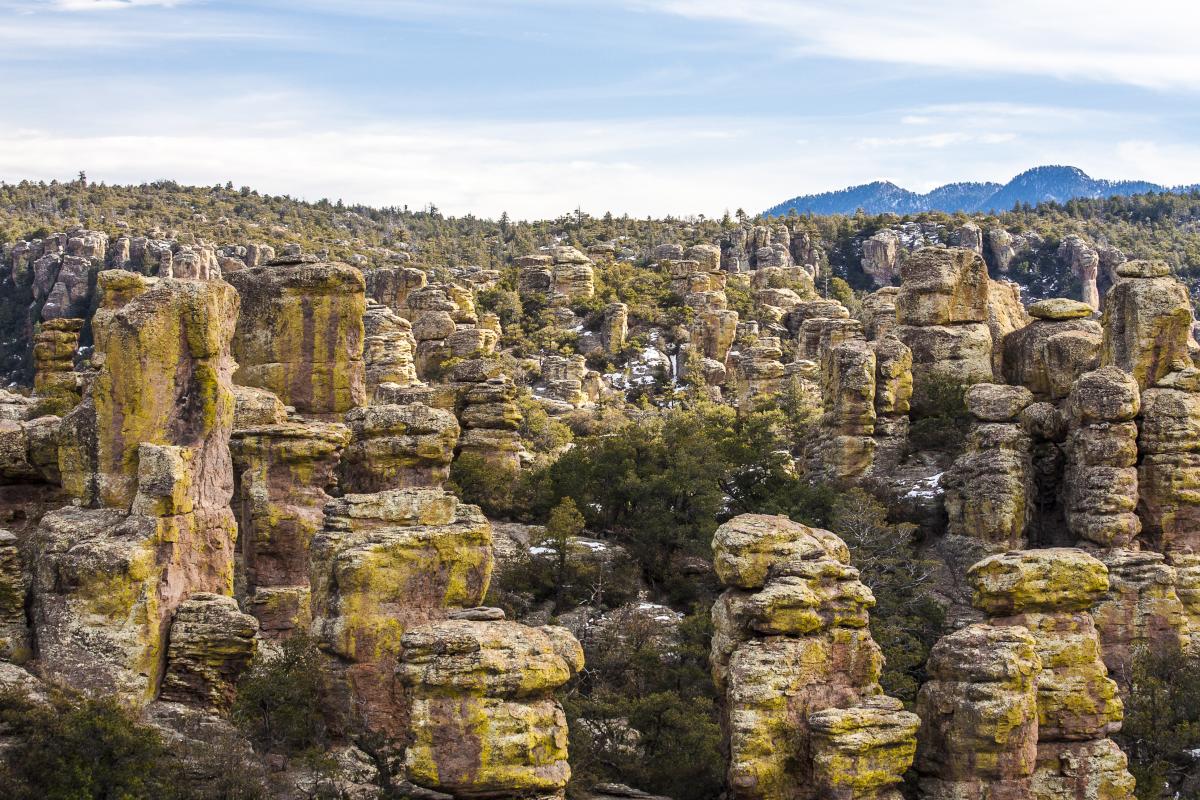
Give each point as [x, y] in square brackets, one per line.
[536, 107]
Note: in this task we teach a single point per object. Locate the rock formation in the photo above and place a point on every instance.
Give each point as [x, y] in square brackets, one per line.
[484, 719]
[1084, 263]
[388, 351]
[942, 310]
[211, 642]
[55, 380]
[1168, 446]
[1147, 322]
[301, 334]
[798, 669]
[979, 715]
[881, 256]
[1049, 594]
[1101, 482]
[572, 277]
[1060, 344]
[989, 486]
[147, 458]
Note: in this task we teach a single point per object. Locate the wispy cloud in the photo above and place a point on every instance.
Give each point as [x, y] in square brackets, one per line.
[1149, 44]
[110, 5]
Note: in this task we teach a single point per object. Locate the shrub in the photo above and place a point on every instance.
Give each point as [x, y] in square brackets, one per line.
[278, 703]
[1161, 733]
[79, 748]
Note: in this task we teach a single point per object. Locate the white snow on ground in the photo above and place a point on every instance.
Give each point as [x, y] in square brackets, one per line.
[927, 489]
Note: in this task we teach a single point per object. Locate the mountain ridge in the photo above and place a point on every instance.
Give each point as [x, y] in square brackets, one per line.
[1052, 183]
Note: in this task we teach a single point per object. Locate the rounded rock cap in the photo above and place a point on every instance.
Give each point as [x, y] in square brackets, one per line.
[993, 402]
[1143, 269]
[1060, 308]
[1052, 579]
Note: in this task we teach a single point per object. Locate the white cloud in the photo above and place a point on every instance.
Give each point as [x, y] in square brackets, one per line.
[1149, 44]
[110, 5]
[547, 167]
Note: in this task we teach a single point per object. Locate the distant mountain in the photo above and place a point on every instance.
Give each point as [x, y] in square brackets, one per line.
[1038, 185]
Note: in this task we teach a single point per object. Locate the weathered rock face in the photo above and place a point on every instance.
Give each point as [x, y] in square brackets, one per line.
[1084, 263]
[881, 256]
[1101, 481]
[1059, 345]
[714, 332]
[759, 373]
[54, 376]
[484, 719]
[151, 447]
[979, 715]
[615, 328]
[1141, 609]
[535, 274]
[1169, 467]
[563, 378]
[1003, 248]
[162, 356]
[490, 418]
[879, 312]
[572, 278]
[398, 446]
[861, 752]
[968, 236]
[15, 643]
[1147, 322]
[1049, 593]
[791, 642]
[1006, 313]
[301, 334]
[942, 310]
[848, 387]
[989, 487]
[388, 350]
[390, 286]
[383, 564]
[943, 287]
[211, 642]
[283, 472]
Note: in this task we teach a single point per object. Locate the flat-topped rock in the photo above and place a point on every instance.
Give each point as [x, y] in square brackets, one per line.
[1060, 308]
[992, 402]
[1144, 269]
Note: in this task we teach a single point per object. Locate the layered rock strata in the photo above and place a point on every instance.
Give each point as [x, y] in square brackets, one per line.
[1101, 480]
[989, 487]
[790, 642]
[942, 311]
[484, 718]
[1049, 593]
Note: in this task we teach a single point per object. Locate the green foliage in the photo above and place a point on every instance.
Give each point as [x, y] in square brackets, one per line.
[645, 712]
[82, 748]
[945, 423]
[538, 430]
[278, 703]
[1162, 724]
[907, 620]
[499, 490]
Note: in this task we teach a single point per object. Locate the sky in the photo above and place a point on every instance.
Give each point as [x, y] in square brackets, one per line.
[645, 107]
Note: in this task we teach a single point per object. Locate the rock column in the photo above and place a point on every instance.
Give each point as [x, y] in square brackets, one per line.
[798, 668]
